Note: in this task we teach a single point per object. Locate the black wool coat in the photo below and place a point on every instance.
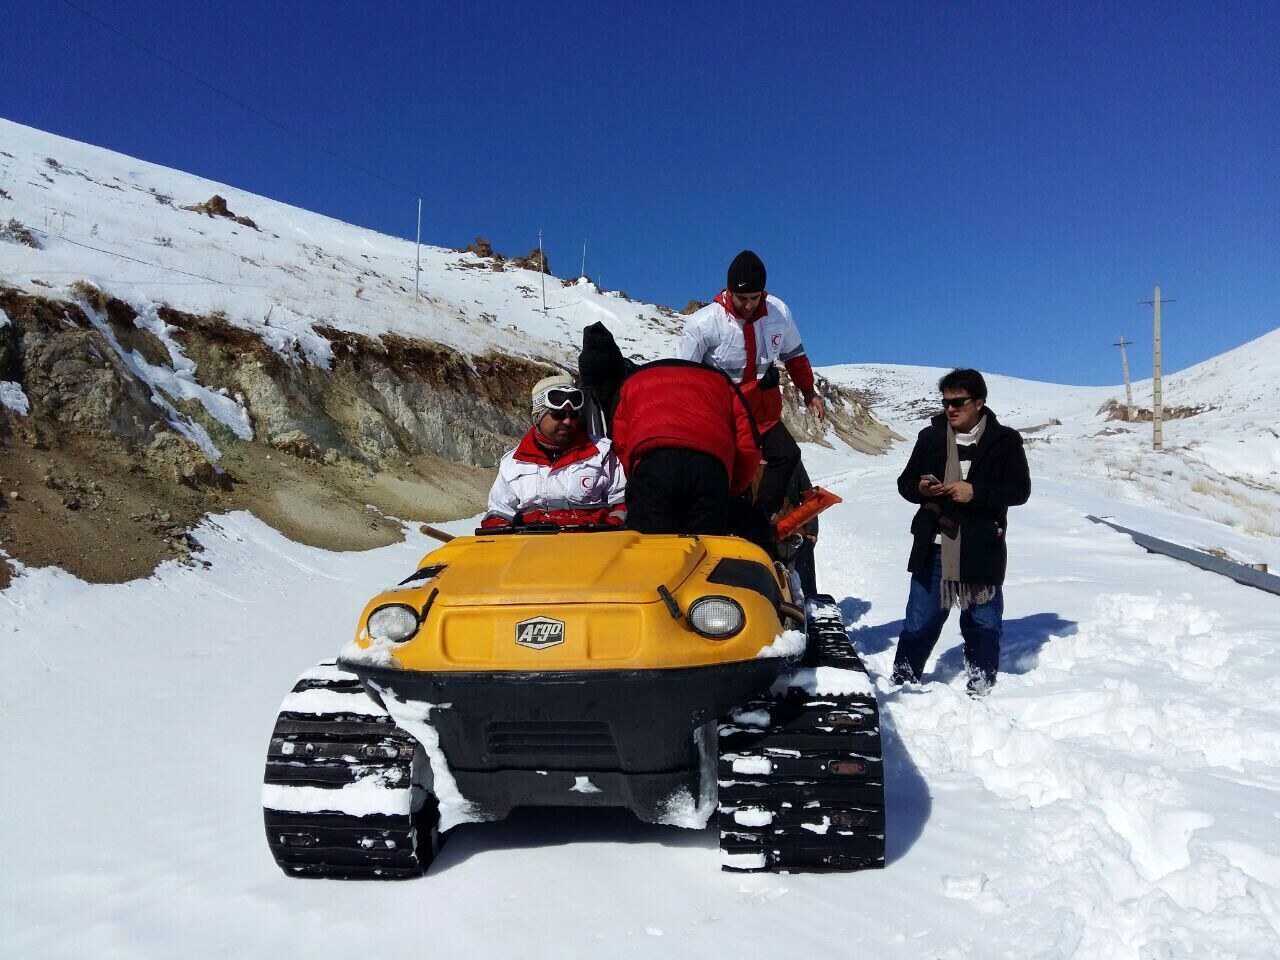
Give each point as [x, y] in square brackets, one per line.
[1000, 479]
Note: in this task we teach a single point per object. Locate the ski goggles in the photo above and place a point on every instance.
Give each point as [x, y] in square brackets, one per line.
[560, 398]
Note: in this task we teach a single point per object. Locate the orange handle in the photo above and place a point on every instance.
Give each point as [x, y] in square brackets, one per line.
[812, 503]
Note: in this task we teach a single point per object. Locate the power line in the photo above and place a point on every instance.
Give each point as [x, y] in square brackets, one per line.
[240, 103]
[123, 256]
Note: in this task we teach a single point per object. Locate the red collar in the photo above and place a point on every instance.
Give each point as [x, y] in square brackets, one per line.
[582, 448]
[725, 299]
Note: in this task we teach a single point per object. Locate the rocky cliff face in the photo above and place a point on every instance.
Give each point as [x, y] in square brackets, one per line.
[848, 417]
[102, 475]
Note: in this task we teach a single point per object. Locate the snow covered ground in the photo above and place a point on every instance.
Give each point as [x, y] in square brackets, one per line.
[1115, 797]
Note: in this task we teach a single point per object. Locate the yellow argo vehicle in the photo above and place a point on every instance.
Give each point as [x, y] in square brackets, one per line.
[532, 666]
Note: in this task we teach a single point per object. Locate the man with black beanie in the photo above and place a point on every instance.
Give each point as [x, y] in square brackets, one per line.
[742, 332]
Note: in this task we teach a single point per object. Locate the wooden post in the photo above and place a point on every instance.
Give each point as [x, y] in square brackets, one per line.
[1157, 393]
[1157, 386]
[1128, 387]
[542, 265]
[417, 253]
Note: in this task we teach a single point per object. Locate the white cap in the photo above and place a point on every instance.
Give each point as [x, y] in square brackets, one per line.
[559, 381]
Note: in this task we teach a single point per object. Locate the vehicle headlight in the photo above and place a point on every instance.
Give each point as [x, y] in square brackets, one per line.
[716, 617]
[394, 622]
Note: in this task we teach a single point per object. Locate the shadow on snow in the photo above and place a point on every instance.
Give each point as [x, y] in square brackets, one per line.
[536, 827]
[1020, 646]
[908, 802]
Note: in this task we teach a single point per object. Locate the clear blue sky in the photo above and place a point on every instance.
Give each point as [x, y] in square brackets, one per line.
[937, 183]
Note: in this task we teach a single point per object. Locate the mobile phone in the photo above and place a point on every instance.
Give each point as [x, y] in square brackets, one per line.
[931, 480]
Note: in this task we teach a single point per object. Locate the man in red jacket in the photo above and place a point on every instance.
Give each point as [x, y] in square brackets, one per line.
[687, 443]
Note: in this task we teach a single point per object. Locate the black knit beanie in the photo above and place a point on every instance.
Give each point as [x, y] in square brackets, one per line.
[746, 273]
[601, 364]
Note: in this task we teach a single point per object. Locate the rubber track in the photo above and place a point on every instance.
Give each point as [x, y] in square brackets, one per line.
[346, 746]
[801, 784]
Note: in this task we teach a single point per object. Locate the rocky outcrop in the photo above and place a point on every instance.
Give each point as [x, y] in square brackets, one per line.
[482, 248]
[1115, 410]
[73, 378]
[381, 399]
[216, 206]
[847, 416]
[536, 261]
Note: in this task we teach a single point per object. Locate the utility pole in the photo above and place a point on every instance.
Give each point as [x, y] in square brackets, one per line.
[1157, 395]
[417, 254]
[542, 264]
[1128, 387]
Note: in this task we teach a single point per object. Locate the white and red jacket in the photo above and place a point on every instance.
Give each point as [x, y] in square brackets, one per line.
[584, 485]
[745, 347]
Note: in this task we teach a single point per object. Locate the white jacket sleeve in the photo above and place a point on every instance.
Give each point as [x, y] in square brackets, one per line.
[693, 345]
[617, 479]
[791, 345]
[502, 499]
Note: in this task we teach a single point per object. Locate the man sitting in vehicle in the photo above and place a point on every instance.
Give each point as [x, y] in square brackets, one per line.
[558, 473]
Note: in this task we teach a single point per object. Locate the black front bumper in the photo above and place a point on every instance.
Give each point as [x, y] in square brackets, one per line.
[620, 738]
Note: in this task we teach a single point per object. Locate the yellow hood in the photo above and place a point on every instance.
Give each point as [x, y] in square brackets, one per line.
[621, 567]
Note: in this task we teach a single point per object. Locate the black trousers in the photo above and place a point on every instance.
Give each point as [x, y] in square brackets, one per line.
[782, 456]
[678, 491]
[806, 568]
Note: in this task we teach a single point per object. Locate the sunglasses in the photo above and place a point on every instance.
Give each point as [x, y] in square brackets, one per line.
[955, 403]
[563, 413]
[558, 398]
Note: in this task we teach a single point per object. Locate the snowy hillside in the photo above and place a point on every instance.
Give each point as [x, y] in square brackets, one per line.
[119, 223]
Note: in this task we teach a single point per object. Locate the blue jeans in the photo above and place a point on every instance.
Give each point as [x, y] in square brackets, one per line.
[981, 625]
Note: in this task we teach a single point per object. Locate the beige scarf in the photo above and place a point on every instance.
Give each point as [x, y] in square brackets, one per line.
[955, 593]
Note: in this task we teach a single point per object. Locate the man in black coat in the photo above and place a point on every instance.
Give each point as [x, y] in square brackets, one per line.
[965, 472]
